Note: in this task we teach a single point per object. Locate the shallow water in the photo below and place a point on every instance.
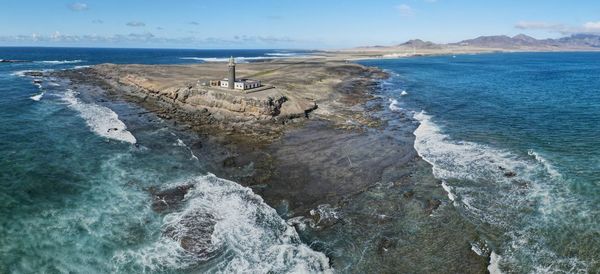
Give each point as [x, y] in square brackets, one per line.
[515, 139]
[77, 172]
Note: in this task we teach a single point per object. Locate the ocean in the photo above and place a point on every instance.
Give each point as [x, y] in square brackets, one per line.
[75, 181]
[512, 138]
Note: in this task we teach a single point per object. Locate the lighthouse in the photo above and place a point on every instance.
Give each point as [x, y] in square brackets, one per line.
[231, 78]
[230, 82]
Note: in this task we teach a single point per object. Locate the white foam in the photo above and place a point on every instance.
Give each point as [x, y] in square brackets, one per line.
[37, 97]
[403, 93]
[448, 190]
[80, 67]
[254, 237]
[518, 195]
[394, 105]
[549, 167]
[101, 120]
[59, 62]
[282, 54]
[180, 143]
[21, 73]
[494, 267]
[221, 60]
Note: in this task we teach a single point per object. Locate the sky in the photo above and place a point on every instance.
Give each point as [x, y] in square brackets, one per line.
[306, 24]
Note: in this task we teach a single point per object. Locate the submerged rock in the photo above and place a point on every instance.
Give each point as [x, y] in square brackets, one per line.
[34, 73]
[432, 205]
[194, 233]
[169, 199]
[510, 174]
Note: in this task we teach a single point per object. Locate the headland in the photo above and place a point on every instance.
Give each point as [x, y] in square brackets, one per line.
[313, 145]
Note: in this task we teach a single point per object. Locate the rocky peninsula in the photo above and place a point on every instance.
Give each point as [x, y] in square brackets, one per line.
[315, 145]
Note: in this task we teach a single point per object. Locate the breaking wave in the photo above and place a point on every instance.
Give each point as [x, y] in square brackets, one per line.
[224, 228]
[101, 120]
[394, 105]
[22, 73]
[282, 54]
[37, 97]
[518, 195]
[237, 59]
[60, 62]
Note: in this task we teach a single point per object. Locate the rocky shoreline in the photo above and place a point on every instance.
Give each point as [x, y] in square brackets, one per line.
[325, 160]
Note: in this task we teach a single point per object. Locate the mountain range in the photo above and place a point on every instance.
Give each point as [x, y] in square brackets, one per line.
[521, 42]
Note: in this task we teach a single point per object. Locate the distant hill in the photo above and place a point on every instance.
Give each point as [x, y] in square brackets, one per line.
[503, 41]
[580, 40]
[521, 42]
[420, 44]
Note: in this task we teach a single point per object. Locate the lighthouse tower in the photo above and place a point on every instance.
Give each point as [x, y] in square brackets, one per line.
[231, 78]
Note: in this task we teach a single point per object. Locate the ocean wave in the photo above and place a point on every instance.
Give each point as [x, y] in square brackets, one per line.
[394, 105]
[101, 120]
[37, 97]
[234, 231]
[542, 160]
[22, 73]
[60, 62]
[282, 54]
[180, 143]
[221, 60]
[270, 56]
[521, 196]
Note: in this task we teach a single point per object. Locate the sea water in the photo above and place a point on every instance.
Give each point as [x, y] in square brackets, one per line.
[76, 175]
[515, 139]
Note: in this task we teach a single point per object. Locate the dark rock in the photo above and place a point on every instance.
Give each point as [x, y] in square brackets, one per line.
[194, 232]
[12, 61]
[170, 199]
[510, 174]
[432, 205]
[229, 162]
[34, 73]
[384, 245]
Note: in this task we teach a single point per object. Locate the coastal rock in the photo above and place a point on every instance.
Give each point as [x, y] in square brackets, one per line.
[432, 205]
[169, 199]
[194, 233]
[34, 73]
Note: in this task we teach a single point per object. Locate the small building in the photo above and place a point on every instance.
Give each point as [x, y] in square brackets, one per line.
[239, 84]
[234, 83]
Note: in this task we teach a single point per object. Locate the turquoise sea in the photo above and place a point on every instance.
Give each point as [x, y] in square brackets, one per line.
[75, 195]
[515, 138]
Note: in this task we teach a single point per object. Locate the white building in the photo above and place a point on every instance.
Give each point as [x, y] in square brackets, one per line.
[241, 84]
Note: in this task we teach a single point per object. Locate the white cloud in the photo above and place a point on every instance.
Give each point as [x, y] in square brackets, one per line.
[145, 38]
[136, 24]
[78, 6]
[592, 26]
[538, 25]
[589, 27]
[405, 10]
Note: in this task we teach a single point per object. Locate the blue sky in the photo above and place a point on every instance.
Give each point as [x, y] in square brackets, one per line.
[284, 23]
